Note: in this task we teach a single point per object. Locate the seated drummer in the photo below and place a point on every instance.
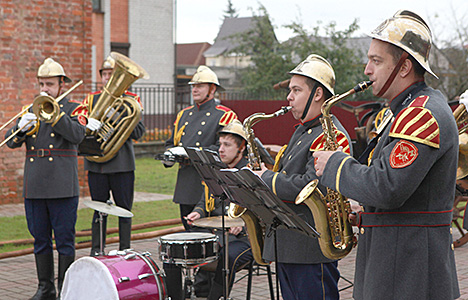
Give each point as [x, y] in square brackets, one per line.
[232, 150]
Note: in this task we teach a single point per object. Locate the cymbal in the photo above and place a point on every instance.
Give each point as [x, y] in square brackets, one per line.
[110, 208]
[216, 222]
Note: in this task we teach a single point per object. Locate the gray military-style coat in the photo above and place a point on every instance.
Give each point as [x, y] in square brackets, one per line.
[51, 166]
[296, 170]
[124, 160]
[196, 126]
[405, 245]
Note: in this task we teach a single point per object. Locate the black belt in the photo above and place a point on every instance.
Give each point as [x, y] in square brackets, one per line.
[51, 152]
[406, 219]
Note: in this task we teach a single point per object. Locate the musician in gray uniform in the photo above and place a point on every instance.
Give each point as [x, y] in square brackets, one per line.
[407, 189]
[51, 186]
[197, 126]
[116, 175]
[304, 272]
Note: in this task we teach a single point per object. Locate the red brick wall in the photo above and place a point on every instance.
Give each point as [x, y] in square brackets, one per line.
[30, 31]
[119, 21]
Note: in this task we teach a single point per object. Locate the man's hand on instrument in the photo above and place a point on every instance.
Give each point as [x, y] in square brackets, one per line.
[321, 158]
[168, 163]
[260, 172]
[355, 209]
[192, 217]
[235, 230]
[93, 124]
[464, 99]
[27, 121]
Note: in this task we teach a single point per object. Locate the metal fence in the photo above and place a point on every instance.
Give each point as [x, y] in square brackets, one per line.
[161, 102]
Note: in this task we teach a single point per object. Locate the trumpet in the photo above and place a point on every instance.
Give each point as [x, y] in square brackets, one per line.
[45, 108]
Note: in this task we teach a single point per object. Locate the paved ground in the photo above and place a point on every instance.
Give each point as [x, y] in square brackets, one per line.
[18, 275]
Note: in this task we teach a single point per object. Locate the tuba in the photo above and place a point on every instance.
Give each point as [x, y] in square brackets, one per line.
[118, 114]
[461, 117]
[254, 228]
[331, 211]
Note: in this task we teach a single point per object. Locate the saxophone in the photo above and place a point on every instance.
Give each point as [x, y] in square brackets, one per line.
[254, 228]
[331, 211]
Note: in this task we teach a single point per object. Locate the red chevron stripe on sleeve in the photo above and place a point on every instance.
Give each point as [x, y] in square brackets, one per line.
[227, 118]
[416, 124]
[319, 142]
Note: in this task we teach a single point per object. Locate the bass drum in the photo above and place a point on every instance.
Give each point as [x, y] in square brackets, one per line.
[126, 275]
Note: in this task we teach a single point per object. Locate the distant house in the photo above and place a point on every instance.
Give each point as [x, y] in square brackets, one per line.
[189, 57]
[220, 57]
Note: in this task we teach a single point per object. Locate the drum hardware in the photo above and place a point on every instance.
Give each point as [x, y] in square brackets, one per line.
[190, 250]
[103, 209]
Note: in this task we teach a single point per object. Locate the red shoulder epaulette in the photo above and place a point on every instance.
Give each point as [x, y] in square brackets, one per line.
[319, 143]
[223, 108]
[227, 118]
[416, 123]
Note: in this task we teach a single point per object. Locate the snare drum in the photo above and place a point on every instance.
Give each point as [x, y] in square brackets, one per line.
[188, 248]
[127, 275]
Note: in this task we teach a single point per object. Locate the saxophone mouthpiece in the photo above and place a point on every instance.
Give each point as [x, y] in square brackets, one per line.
[362, 86]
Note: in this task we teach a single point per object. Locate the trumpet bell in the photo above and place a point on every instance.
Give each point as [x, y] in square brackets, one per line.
[46, 109]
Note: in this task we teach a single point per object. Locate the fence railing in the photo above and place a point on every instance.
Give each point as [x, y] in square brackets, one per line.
[161, 102]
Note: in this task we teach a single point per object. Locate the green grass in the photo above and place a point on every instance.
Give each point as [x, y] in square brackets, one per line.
[150, 177]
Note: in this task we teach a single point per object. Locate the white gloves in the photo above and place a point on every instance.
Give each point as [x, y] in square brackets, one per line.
[464, 99]
[93, 124]
[177, 151]
[25, 119]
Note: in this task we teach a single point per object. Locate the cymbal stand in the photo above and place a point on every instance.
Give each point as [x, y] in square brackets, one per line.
[101, 232]
[226, 271]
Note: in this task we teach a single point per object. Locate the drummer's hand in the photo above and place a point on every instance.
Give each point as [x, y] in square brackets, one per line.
[355, 209]
[192, 217]
[235, 230]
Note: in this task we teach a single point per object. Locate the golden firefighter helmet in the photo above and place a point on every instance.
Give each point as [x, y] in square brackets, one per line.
[107, 64]
[319, 69]
[410, 32]
[205, 75]
[51, 68]
[235, 127]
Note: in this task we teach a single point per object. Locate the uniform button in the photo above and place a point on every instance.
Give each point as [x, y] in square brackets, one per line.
[32, 148]
[200, 133]
[208, 114]
[186, 123]
[197, 144]
[190, 113]
[183, 133]
[51, 158]
[33, 136]
[52, 134]
[298, 143]
[61, 105]
[203, 123]
[284, 172]
[51, 146]
[309, 131]
[453, 247]
[362, 230]
[289, 158]
[31, 159]
[180, 144]
[451, 230]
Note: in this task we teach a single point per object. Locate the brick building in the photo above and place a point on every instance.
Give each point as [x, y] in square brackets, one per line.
[79, 34]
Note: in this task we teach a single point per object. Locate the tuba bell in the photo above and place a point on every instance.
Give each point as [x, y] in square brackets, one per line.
[118, 114]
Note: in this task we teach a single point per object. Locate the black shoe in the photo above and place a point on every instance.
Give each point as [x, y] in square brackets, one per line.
[45, 274]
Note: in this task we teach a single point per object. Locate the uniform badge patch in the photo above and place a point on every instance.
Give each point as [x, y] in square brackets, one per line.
[82, 120]
[403, 154]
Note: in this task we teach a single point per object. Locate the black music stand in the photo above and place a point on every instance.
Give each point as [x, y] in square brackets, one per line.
[207, 162]
[248, 190]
